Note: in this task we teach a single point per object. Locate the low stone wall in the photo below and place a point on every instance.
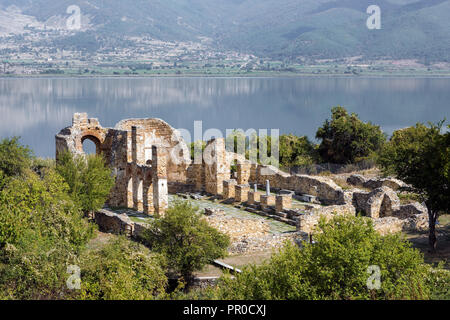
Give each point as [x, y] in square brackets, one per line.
[265, 243]
[308, 222]
[389, 225]
[114, 223]
[375, 183]
[325, 189]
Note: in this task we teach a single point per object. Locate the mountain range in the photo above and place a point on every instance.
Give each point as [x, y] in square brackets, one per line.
[282, 29]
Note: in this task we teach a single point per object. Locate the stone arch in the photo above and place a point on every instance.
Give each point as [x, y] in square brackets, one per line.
[95, 140]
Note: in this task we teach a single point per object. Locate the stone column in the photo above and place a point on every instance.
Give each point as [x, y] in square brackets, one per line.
[267, 201]
[243, 172]
[283, 201]
[149, 207]
[228, 188]
[253, 197]
[216, 167]
[159, 180]
[137, 145]
[241, 192]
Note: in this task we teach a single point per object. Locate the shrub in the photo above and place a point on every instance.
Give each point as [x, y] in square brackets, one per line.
[186, 239]
[14, 158]
[335, 267]
[122, 270]
[41, 204]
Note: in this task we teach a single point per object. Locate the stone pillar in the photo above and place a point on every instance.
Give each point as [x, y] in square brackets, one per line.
[149, 208]
[241, 192]
[159, 180]
[199, 176]
[228, 188]
[253, 197]
[254, 172]
[216, 167]
[267, 188]
[137, 145]
[267, 201]
[243, 172]
[283, 201]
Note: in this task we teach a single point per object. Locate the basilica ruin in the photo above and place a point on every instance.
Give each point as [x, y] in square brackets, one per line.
[150, 161]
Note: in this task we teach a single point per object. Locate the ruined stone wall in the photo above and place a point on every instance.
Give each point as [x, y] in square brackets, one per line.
[156, 132]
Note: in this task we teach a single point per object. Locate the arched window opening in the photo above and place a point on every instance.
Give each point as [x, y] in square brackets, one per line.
[91, 145]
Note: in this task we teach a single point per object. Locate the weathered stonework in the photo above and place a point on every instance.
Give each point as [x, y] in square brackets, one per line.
[253, 197]
[149, 159]
[381, 202]
[267, 201]
[229, 189]
[241, 192]
[243, 172]
[137, 151]
[283, 201]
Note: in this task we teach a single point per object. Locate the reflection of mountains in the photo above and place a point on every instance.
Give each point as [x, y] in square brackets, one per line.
[289, 103]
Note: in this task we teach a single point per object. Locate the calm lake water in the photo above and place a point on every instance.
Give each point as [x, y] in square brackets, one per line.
[37, 108]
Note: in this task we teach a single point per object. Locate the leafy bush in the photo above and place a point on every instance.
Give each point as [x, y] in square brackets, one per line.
[14, 158]
[89, 179]
[186, 239]
[122, 270]
[346, 139]
[335, 267]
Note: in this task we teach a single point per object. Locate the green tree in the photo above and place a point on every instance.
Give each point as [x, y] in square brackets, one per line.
[420, 156]
[122, 270]
[186, 239]
[89, 179]
[296, 151]
[14, 158]
[336, 267]
[346, 139]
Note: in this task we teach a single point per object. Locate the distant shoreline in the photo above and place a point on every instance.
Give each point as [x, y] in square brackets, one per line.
[218, 75]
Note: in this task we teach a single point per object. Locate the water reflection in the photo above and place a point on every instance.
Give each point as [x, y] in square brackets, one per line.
[38, 108]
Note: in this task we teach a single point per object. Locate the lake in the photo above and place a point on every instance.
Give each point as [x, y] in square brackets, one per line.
[37, 108]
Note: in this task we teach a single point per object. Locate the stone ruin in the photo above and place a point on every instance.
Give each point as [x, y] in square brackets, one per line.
[150, 159]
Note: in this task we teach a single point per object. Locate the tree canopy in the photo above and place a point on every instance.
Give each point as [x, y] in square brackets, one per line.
[347, 139]
[186, 239]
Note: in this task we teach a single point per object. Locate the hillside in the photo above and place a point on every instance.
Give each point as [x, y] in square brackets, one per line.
[411, 29]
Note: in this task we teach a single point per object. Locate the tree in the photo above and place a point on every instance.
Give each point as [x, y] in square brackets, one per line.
[296, 151]
[420, 156]
[346, 139]
[338, 266]
[89, 179]
[14, 158]
[186, 239]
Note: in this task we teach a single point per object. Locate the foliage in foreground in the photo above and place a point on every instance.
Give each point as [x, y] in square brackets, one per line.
[186, 239]
[89, 179]
[41, 231]
[336, 267]
[122, 270]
